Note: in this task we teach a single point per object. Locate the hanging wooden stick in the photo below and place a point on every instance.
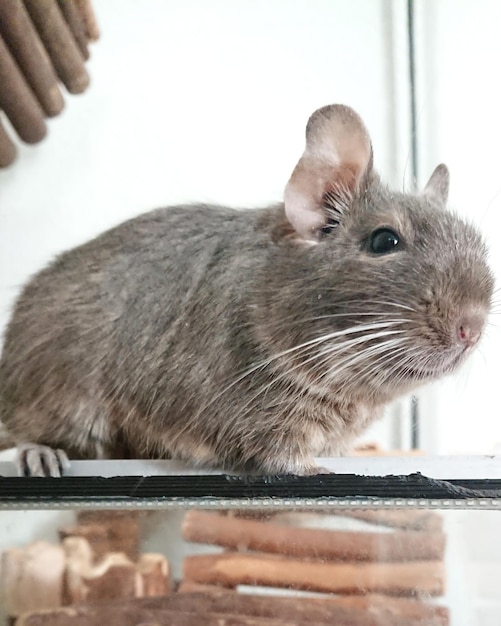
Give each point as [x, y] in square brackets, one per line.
[17, 100]
[87, 12]
[76, 24]
[60, 44]
[24, 43]
[8, 150]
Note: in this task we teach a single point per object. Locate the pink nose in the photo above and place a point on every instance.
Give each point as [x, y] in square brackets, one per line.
[469, 328]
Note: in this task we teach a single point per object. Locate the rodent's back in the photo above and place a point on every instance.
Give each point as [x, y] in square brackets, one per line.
[104, 319]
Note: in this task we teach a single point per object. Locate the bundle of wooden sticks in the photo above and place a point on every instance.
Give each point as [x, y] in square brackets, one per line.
[381, 577]
[42, 43]
[388, 574]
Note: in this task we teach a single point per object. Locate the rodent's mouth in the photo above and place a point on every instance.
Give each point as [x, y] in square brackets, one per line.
[436, 367]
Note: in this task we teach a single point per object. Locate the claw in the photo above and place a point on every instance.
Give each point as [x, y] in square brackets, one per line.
[37, 460]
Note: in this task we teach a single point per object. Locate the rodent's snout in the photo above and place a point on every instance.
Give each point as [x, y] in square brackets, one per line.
[469, 327]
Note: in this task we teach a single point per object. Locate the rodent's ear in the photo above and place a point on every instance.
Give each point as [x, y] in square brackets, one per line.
[438, 185]
[335, 163]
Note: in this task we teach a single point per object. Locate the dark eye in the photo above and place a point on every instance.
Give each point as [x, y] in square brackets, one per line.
[383, 241]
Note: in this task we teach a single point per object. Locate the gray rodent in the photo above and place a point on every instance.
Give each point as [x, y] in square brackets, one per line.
[249, 340]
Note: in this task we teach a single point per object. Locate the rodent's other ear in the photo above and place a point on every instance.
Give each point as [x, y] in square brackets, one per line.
[336, 161]
[438, 185]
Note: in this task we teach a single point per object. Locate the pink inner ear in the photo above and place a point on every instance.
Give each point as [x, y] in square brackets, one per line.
[302, 212]
[337, 157]
[303, 196]
[306, 189]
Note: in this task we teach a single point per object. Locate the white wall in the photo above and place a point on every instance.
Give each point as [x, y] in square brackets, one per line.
[459, 123]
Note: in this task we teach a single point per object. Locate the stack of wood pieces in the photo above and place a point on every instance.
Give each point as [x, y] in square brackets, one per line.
[375, 577]
[390, 576]
[42, 43]
[97, 560]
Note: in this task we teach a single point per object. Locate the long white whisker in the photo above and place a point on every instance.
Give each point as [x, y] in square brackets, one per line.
[312, 342]
[353, 360]
[397, 373]
[328, 356]
[403, 349]
[388, 347]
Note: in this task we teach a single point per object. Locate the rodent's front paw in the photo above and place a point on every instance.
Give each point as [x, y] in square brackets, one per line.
[313, 470]
[41, 461]
[302, 469]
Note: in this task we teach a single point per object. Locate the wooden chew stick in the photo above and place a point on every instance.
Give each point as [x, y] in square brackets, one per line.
[30, 54]
[8, 150]
[60, 44]
[17, 100]
[317, 610]
[76, 24]
[131, 616]
[323, 608]
[423, 612]
[89, 18]
[236, 609]
[231, 569]
[373, 603]
[235, 533]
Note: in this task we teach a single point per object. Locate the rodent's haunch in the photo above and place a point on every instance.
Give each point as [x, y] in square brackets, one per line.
[247, 340]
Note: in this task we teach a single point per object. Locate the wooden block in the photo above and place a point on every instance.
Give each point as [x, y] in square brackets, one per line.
[32, 578]
[107, 531]
[155, 575]
[113, 576]
[105, 538]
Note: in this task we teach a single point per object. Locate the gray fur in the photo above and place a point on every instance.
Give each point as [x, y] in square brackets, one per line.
[162, 337]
